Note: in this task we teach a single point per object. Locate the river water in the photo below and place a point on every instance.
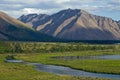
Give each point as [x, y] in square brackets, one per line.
[61, 70]
[69, 71]
[104, 57]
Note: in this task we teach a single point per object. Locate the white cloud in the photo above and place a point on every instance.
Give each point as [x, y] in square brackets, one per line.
[10, 6]
[62, 1]
[30, 10]
[18, 7]
[35, 10]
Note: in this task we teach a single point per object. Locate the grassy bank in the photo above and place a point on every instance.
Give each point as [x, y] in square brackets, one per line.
[17, 71]
[42, 53]
[100, 66]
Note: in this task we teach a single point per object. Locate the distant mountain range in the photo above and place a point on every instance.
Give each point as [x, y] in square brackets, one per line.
[74, 24]
[13, 29]
[69, 24]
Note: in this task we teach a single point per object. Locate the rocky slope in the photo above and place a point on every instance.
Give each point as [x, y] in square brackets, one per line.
[75, 25]
[12, 29]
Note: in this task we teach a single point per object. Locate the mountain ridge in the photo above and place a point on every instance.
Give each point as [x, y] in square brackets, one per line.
[13, 29]
[76, 24]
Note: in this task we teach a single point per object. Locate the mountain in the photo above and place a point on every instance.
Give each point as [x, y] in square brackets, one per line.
[75, 24]
[13, 29]
[33, 19]
[118, 23]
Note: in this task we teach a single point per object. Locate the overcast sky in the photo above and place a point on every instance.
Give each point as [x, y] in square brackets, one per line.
[15, 8]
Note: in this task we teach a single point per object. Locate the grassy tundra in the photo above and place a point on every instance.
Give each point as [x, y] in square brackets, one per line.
[42, 53]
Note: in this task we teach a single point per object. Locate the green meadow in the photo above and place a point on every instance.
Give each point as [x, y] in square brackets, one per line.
[41, 52]
[98, 66]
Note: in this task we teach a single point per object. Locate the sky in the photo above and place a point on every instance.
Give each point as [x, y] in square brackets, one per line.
[16, 8]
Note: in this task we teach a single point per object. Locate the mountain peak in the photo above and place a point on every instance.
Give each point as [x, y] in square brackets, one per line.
[70, 11]
[2, 13]
[75, 10]
[77, 24]
[29, 15]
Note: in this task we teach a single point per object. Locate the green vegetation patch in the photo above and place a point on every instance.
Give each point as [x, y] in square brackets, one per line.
[42, 53]
[19, 71]
[42, 47]
[99, 66]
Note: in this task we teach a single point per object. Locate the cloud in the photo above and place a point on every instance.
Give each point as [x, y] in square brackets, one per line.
[35, 10]
[30, 10]
[11, 6]
[18, 7]
[62, 1]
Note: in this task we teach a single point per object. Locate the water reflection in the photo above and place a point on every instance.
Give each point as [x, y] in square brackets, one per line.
[105, 57]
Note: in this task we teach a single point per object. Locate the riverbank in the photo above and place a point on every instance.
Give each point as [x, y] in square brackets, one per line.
[62, 70]
[18, 71]
[97, 66]
[42, 53]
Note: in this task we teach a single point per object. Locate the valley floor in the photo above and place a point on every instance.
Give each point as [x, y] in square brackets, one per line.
[20, 71]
